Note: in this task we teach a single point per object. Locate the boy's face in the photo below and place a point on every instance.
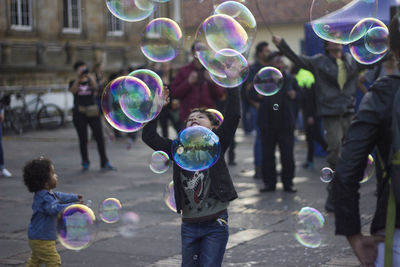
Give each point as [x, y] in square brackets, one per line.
[52, 183]
[198, 118]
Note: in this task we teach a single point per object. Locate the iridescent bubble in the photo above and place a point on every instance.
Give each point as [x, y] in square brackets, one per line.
[110, 210]
[242, 15]
[169, 196]
[268, 81]
[160, 40]
[196, 148]
[369, 170]
[309, 227]
[161, 1]
[112, 110]
[76, 227]
[217, 114]
[129, 224]
[327, 175]
[130, 10]
[358, 49]
[275, 107]
[223, 32]
[151, 79]
[333, 20]
[138, 102]
[376, 40]
[159, 162]
[231, 68]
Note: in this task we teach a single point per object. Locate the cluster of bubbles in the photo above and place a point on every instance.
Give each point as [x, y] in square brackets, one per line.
[128, 102]
[223, 41]
[309, 227]
[196, 148]
[351, 22]
[77, 225]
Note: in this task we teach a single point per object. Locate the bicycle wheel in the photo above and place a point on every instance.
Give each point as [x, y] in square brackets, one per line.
[50, 116]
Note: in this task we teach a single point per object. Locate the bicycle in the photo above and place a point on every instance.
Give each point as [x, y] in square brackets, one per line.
[37, 114]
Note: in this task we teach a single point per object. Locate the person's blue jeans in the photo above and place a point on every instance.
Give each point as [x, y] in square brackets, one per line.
[204, 244]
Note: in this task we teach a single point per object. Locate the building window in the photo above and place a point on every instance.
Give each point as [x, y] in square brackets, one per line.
[72, 16]
[115, 26]
[21, 15]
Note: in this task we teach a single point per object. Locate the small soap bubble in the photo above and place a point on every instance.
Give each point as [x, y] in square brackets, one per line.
[327, 175]
[217, 114]
[129, 224]
[376, 40]
[161, 39]
[268, 81]
[159, 162]
[309, 227]
[169, 196]
[196, 148]
[369, 170]
[76, 227]
[275, 107]
[110, 210]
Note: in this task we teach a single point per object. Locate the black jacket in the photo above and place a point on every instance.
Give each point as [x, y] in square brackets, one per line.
[221, 182]
[285, 115]
[370, 128]
[331, 100]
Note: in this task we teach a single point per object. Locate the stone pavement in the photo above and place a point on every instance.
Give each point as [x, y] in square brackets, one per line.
[261, 225]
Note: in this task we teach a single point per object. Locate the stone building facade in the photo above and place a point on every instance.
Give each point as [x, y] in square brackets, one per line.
[41, 39]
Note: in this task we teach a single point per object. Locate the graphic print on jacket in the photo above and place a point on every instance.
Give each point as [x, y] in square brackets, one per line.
[194, 181]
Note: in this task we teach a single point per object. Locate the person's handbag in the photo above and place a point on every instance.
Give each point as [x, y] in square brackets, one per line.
[89, 111]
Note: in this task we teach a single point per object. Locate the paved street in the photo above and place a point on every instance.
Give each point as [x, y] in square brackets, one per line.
[261, 225]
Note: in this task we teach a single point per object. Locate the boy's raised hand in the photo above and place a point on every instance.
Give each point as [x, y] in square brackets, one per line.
[165, 95]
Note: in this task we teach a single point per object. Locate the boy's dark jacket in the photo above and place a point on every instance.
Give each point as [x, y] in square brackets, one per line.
[371, 127]
[221, 182]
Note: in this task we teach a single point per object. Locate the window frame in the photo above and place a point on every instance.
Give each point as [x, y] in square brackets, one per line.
[112, 20]
[69, 29]
[20, 26]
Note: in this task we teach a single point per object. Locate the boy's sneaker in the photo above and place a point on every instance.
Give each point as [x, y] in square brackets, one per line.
[6, 173]
[85, 167]
[108, 167]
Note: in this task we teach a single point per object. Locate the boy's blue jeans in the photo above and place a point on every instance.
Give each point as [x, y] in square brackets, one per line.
[203, 244]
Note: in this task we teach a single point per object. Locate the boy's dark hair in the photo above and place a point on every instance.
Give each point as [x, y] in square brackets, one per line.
[273, 55]
[78, 64]
[36, 173]
[260, 47]
[213, 119]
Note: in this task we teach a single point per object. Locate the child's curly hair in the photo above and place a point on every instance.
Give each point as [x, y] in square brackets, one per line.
[36, 173]
[213, 119]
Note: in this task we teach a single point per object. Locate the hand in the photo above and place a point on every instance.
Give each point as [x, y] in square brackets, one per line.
[1, 117]
[292, 94]
[310, 121]
[193, 76]
[365, 248]
[276, 40]
[80, 198]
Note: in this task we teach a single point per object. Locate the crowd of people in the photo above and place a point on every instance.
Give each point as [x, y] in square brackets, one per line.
[322, 87]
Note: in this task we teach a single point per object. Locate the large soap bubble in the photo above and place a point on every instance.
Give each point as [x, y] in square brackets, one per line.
[76, 228]
[196, 148]
[130, 10]
[268, 81]
[361, 49]
[333, 20]
[160, 40]
[112, 110]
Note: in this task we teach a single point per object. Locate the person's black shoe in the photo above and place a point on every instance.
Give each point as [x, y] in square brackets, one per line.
[290, 189]
[267, 189]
